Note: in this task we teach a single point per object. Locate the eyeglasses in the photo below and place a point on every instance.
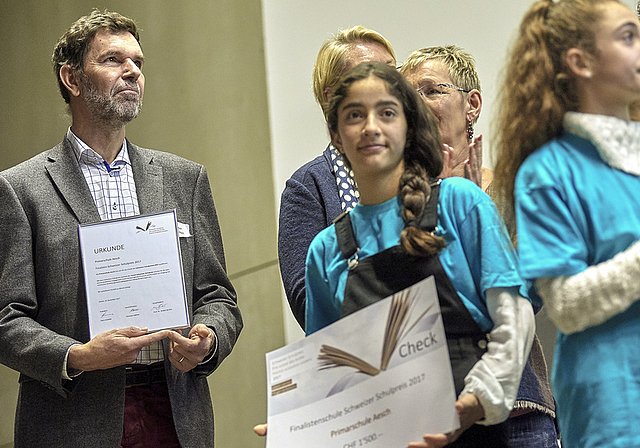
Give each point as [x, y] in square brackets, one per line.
[433, 92]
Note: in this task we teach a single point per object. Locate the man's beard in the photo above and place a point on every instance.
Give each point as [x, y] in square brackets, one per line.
[112, 110]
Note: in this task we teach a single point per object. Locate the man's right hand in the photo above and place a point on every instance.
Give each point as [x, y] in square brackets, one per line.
[112, 348]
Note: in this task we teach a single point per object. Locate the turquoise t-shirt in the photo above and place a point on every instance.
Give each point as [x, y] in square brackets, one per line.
[478, 253]
[574, 211]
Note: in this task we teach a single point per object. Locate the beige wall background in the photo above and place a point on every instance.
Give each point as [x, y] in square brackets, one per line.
[206, 100]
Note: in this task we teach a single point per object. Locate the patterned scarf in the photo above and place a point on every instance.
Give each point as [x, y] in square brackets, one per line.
[347, 188]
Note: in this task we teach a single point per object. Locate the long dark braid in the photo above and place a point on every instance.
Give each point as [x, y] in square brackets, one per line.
[415, 191]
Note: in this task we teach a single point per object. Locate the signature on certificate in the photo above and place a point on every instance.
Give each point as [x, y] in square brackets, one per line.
[158, 307]
[133, 311]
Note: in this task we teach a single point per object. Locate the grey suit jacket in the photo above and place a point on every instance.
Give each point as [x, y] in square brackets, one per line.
[43, 306]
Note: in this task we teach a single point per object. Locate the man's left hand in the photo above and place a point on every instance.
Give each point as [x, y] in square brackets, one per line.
[186, 353]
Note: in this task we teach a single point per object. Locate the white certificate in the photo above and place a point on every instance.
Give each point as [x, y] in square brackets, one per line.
[379, 377]
[133, 273]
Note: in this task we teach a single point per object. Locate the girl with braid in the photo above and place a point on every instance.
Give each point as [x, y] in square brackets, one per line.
[408, 226]
[570, 161]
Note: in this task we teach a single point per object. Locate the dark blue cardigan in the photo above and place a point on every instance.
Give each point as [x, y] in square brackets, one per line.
[309, 203]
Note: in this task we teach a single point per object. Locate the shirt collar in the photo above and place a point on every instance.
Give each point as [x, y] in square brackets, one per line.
[80, 148]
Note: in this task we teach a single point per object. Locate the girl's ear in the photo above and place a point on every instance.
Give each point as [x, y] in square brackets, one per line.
[336, 141]
[69, 78]
[579, 62]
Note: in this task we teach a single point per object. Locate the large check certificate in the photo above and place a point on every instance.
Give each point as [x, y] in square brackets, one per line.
[133, 273]
[380, 377]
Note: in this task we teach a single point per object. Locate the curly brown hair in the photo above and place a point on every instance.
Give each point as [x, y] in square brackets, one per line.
[538, 88]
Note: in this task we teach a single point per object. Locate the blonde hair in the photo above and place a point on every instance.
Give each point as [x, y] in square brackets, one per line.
[332, 59]
[460, 64]
[538, 88]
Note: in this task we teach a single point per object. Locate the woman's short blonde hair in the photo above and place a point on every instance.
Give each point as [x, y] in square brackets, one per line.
[332, 59]
[461, 65]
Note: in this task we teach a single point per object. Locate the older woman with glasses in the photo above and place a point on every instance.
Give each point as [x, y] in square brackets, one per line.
[448, 82]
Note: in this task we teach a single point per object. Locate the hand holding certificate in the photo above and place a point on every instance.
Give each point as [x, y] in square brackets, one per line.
[133, 273]
[379, 377]
[112, 348]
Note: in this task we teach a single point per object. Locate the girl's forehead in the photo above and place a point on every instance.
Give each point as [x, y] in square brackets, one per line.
[370, 86]
[613, 16]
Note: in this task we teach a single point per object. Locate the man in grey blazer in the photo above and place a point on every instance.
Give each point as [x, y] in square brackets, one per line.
[73, 388]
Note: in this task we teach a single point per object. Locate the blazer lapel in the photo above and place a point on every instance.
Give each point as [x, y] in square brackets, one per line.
[65, 173]
[148, 178]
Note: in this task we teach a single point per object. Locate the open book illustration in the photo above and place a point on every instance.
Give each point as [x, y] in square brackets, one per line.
[399, 323]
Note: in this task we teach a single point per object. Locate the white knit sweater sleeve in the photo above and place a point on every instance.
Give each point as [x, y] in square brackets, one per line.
[495, 378]
[594, 295]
